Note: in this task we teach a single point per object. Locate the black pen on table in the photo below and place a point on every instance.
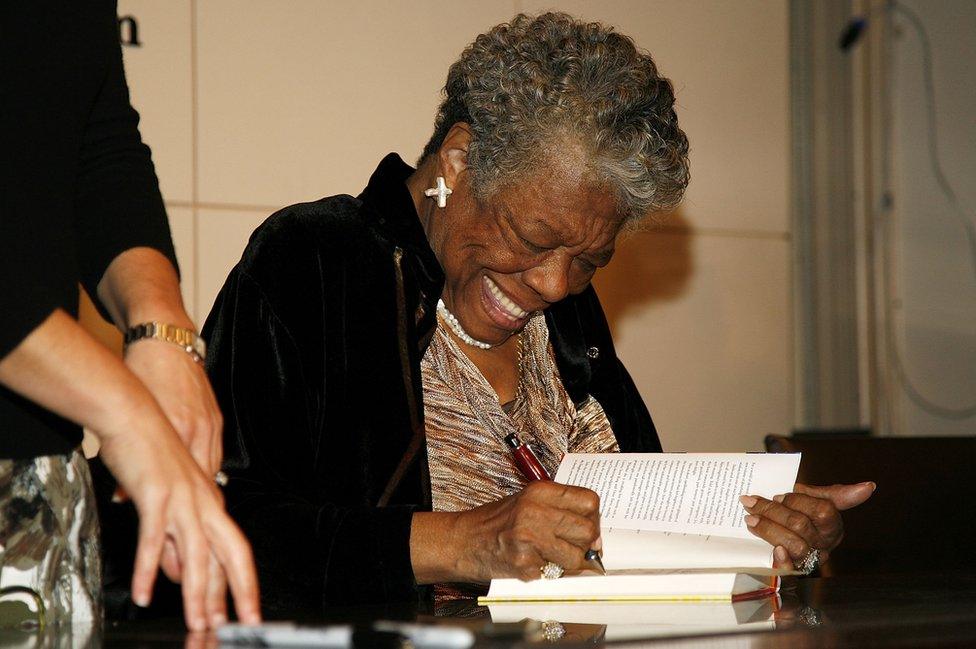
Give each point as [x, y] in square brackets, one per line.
[532, 469]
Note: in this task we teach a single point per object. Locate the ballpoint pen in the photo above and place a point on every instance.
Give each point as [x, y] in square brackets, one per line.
[532, 469]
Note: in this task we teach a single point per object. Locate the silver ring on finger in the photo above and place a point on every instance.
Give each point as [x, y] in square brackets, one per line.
[553, 631]
[221, 479]
[551, 570]
[810, 562]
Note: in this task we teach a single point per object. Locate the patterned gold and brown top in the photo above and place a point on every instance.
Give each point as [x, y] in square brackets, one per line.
[466, 426]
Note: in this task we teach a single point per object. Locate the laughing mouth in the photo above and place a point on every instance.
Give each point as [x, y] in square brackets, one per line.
[504, 303]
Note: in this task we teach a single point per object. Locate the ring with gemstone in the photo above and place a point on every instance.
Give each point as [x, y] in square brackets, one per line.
[810, 617]
[810, 562]
[553, 631]
[551, 570]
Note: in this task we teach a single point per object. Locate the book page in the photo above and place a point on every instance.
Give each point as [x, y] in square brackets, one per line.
[644, 549]
[694, 493]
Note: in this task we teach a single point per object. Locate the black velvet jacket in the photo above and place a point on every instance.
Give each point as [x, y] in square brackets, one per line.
[315, 347]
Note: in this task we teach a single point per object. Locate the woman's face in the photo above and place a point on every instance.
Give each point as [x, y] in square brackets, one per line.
[527, 247]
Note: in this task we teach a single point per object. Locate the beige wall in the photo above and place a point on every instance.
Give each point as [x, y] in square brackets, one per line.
[934, 301]
[252, 105]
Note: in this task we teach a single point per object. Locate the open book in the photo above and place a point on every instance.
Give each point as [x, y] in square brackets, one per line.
[672, 528]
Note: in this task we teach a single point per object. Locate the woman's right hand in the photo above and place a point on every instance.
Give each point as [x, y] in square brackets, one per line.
[178, 505]
[512, 537]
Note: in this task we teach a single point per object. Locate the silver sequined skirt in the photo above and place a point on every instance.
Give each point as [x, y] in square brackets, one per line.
[49, 536]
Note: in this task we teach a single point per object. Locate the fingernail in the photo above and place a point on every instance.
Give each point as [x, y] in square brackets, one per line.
[747, 501]
[199, 624]
[779, 498]
[781, 555]
[142, 601]
[871, 484]
[217, 619]
[751, 520]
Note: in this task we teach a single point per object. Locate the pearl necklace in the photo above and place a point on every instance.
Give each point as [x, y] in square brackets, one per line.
[456, 327]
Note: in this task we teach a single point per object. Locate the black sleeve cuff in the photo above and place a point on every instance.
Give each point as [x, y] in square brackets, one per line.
[369, 560]
[130, 215]
[309, 557]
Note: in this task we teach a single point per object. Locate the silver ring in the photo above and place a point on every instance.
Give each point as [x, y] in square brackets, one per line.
[810, 562]
[221, 479]
[551, 570]
[552, 631]
[810, 617]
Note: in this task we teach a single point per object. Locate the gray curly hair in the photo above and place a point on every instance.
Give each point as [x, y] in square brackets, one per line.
[550, 83]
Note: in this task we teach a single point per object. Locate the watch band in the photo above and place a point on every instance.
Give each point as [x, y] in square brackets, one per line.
[189, 340]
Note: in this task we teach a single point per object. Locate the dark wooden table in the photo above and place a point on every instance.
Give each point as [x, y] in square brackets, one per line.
[901, 610]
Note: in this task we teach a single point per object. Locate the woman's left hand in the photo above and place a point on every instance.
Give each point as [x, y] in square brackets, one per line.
[804, 520]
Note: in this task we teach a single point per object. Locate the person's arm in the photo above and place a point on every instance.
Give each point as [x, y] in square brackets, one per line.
[141, 285]
[128, 265]
[126, 257]
[61, 367]
[313, 546]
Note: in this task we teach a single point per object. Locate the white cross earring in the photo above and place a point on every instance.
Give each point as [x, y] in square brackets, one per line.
[442, 191]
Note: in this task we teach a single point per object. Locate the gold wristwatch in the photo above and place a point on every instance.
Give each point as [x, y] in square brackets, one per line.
[188, 339]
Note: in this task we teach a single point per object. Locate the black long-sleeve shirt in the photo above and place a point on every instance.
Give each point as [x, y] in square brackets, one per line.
[77, 184]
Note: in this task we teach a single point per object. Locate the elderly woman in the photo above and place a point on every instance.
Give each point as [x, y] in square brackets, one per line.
[371, 354]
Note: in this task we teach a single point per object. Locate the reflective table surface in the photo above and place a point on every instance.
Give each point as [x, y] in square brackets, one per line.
[903, 610]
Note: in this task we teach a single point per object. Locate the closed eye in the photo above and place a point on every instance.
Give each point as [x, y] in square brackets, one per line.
[586, 266]
[531, 247]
